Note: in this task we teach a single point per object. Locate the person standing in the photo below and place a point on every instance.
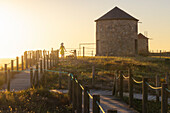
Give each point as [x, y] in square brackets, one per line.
[62, 50]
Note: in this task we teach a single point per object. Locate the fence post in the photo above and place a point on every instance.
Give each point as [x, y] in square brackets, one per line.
[111, 111]
[164, 98]
[96, 98]
[59, 78]
[50, 62]
[130, 88]
[79, 99]
[121, 85]
[70, 86]
[31, 77]
[8, 83]
[83, 52]
[74, 97]
[37, 77]
[167, 78]
[75, 54]
[116, 83]
[12, 65]
[93, 76]
[86, 100]
[41, 70]
[22, 60]
[30, 59]
[157, 85]
[47, 62]
[6, 73]
[26, 60]
[17, 62]
[44, 63]
[144, 95]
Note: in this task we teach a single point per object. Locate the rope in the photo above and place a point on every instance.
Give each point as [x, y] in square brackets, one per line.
[155, 88]
[100, 107]
[138, 82]
[81, 87]
[89, 95]
[167, 90]
[118, 77]
[125, 77]
[56, 71]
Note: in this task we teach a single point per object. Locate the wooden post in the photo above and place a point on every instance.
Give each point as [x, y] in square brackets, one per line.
[121, 86]
[70, 87]
[12, 68]
[130, 88]
[83, 52]
[17, 62]
[8, 83]
[145, 95]
[116, 83]
[59, 79]
[111, 111]
[57, 59]
[157, 85]
[44, 62]
[75, 54]
[37, 77]
[26, 60]
[50, 62]
[6, 73]
[164, 98]
[167, 78]
[86, 100]
[96, 98]
[74, 97]
[31, 77]
[30, 59]
[22, 60]
[93, 75]
[47, 62]
[79, 99]
[12, 65]
[41, 70]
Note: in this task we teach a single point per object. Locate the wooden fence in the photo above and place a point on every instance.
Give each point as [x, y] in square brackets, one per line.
[40, 63]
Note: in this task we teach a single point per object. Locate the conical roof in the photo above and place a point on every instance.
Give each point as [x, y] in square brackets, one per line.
[117, 14]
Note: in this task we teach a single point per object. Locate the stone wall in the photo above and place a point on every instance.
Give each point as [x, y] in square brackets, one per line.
[116, 37]
[142, 46]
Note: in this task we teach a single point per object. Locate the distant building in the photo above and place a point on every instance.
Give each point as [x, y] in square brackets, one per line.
[142, 44]
[116, 34]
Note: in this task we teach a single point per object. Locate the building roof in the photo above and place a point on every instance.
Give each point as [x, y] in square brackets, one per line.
[116, 14]
[141, 36]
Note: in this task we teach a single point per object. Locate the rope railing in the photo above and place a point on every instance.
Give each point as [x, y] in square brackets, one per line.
[118, 77]
[100, 107]
[155, 88]
[138, 82]
[167, 90]
[79, 85]
[125, 77]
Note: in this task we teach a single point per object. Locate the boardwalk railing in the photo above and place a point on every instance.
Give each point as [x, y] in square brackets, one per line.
[145, 85]
[40, 63]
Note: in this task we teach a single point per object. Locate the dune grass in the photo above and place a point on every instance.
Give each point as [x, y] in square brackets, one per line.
[34, 101]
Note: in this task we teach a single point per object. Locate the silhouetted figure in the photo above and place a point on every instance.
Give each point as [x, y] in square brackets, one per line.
[62, 50]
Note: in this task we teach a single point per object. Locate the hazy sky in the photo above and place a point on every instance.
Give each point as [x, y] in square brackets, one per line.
[43, 24]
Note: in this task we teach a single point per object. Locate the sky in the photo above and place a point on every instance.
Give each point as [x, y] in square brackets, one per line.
[44, 24]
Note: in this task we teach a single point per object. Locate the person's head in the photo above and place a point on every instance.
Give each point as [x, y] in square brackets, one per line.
[62, 44]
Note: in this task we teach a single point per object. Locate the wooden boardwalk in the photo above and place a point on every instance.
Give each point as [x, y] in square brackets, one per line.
[21, 81]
